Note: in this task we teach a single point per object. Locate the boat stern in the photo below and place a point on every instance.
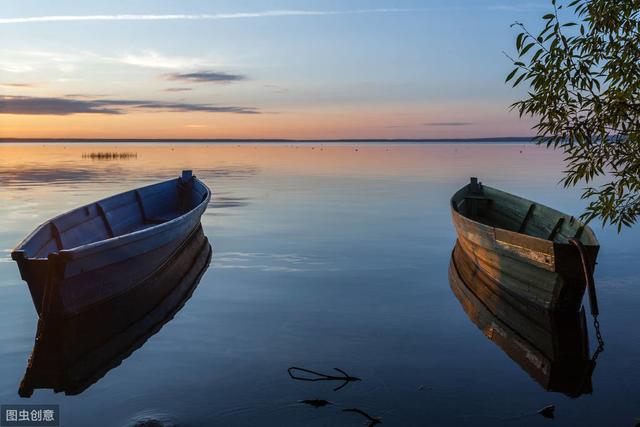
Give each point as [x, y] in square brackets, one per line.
[34, 271]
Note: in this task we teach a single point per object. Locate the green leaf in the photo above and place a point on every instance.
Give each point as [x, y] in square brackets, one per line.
[536, 55]
[583, 95]
[526, 48]
[519, 40]
[511, 74]
[519, 80]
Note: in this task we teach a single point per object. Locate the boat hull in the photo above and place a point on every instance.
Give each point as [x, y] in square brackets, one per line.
[537, 271]
[69, 281]
[72, 353]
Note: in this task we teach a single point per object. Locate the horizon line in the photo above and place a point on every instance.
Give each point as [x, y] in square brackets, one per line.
[267, 140]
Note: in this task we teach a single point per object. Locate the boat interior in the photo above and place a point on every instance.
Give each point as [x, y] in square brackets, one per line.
[498, 209]
[116, 216]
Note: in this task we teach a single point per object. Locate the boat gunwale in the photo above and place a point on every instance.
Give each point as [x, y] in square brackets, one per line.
[536, 239]
[19, 253]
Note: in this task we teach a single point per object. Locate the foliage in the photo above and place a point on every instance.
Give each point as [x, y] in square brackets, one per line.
[584, 92]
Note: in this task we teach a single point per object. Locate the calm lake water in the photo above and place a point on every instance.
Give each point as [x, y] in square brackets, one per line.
[324, 256]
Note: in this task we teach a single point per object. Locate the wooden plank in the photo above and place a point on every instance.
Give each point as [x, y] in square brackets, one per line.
[104, 219]
[141, 206]
[509, 210]
[55, 232]
[527, 217]
[555, 228]
[524, 280]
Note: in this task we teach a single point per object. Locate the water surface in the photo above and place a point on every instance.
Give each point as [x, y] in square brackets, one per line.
[325, 256]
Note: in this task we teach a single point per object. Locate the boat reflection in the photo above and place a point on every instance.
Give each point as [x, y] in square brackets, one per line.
[71, 354]
[552, 348]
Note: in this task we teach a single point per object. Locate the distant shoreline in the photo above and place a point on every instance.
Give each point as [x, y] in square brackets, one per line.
[514, 139]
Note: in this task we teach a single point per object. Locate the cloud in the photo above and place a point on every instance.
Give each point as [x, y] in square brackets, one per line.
[15, 67]
[178, 89]
[205, 76]
[27, 60]
[63, 57]
[276, 88]
[525, 7]
[57, 106]
[84, 96]
[218, 16]
[67, 106]
[20, 85]
[152, 59]
[448, 124]
[184, 107]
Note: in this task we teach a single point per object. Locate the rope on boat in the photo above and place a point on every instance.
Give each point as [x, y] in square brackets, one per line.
[593, 298]
[588, 275]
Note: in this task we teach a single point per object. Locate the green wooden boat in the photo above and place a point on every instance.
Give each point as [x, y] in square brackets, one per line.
[531, 251]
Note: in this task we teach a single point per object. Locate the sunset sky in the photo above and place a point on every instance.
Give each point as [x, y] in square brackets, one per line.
[259, 69]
